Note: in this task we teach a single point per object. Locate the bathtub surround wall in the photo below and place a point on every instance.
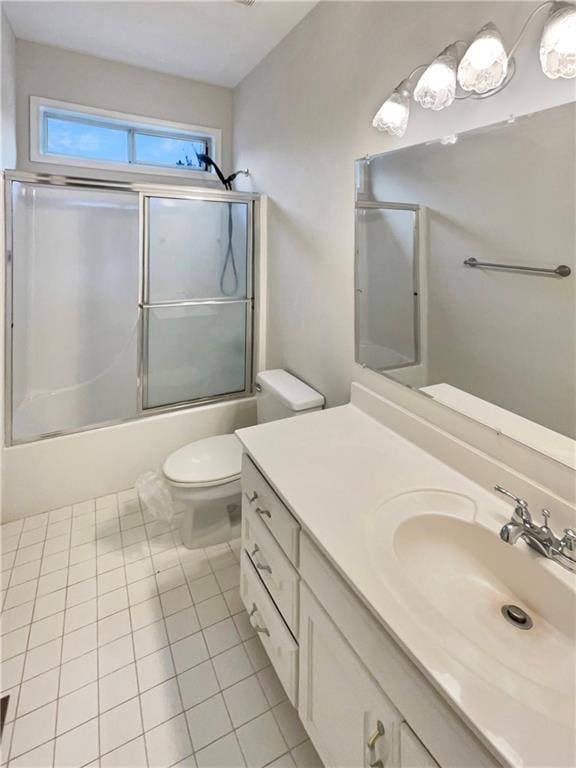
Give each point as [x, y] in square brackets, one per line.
[7, 93]
[56, 73]
[304, 115]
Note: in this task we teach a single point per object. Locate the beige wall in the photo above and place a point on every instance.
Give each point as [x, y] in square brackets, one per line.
[60, 74]
[303, 116]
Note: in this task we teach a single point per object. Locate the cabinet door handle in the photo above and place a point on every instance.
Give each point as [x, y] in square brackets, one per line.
[263, 512]
[371, 744]
[262, 630]
[255, 550]
[251, 498]
[253, 610]
[262, 567]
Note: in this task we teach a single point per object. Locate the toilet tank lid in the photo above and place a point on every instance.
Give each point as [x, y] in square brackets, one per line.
[292, 392]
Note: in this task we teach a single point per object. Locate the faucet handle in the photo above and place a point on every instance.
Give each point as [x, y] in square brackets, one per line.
[546, 516]
[521, 504]
[568, 543]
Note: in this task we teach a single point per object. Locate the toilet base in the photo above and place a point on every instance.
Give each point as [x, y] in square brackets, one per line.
[209, 517]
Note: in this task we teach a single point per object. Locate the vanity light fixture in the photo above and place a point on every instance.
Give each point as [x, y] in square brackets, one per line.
[484, 66]
[436, 88]
[484, 69]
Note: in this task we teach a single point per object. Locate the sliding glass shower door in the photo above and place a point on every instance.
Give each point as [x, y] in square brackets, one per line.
[74, 308]
[197, 306]
[123, 303]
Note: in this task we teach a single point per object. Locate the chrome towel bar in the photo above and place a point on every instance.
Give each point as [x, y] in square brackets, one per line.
[561, 271]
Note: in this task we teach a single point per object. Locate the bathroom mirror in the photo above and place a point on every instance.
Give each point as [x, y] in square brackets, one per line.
[465, 274]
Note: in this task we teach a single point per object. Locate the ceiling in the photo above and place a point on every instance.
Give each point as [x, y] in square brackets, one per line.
[215, 41]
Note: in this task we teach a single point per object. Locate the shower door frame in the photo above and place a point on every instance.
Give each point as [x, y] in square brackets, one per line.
[144, 192]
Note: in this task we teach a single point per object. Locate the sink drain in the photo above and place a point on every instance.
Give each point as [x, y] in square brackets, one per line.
[517, 616]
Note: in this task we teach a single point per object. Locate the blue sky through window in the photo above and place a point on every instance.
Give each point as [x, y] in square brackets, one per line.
[163, 150]
[78, 139]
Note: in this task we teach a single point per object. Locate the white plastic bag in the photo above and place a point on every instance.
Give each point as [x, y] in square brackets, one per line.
[155, 497]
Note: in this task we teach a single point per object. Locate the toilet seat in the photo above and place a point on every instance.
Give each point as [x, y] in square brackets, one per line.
[212, 461]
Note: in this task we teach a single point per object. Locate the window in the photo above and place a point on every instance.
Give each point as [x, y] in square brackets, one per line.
[69, 134]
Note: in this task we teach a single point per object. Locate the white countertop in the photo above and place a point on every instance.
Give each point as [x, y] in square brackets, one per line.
[332, 468]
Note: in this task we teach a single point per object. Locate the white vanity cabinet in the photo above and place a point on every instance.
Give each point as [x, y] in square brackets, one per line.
[346, 714]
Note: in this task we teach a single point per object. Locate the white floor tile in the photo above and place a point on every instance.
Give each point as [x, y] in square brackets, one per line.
[113, 627]
[285, 761]
[140, 569]
[261, 741]
[57, 544]
[23, 593]
[35, 521]
[245, 700]
[48, 605]
[115, 655]
[146, 613]
[155, 669]
[39, 691]
[52, 582]
[15, 642]
[256, 653]
[212, 611]
[168, 743]
[41, 757]
[26, 554]
[208, 721]
[59, 528]
[81, 592]
[112, 602]
[220, 556]
[82, 553]
[77, 747]
[33, 729]
[42, 659]
[197, 684]
[77, 708]
[221, 636]
[160, 704]
[23, 573]
[111, 580]
[131, 755]
[242, 622]
[118, 687]
[17, 617]
[228, 578]
[78, 672]
[232, 666]
[55, 562]
[119, 725]
[79, 616]
[234, 601]
[150, 639]
[223, 753]
[195, 564]
[46, 629]
[189, 652]
[271, 685]
[175, 600]
[182, 624]
[140, 591]
[305, 756]
[81, 572]
[28, 538]
[170, 578]
[203, 588]
[79, 642]
[11, 671]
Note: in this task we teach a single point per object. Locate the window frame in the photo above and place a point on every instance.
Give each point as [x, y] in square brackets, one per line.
[42, 108]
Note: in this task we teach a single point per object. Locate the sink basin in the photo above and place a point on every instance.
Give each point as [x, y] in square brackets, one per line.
[445, 562]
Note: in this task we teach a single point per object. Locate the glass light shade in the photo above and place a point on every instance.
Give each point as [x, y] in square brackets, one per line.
[484, 66]
[393, 115]
[437, 86]
[558, 44]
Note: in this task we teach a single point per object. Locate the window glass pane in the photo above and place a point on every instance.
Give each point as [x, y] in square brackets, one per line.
[198, 249]
[164, 150]
[85, 139]
[195, 351]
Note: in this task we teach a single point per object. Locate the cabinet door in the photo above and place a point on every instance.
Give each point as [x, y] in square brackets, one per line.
[413, 754]
[341, 706]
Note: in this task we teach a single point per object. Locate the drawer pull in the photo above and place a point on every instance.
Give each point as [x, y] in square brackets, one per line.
[251, 498]
[262, 630]
[253, 610]
[378, 733]
[262, 567]
[263, 512]
[255, 550]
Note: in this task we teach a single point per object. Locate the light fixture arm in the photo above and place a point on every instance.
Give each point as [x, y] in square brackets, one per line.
[527, 23]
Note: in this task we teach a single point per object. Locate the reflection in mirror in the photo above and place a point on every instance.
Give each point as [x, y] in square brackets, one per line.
[494, 342]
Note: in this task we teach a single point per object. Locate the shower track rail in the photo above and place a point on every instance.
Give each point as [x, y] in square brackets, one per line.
[144, 191]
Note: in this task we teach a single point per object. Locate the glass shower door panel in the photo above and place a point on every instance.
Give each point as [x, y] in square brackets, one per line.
[75, 308]
[386, 288]
[197, 249]
[195, 351]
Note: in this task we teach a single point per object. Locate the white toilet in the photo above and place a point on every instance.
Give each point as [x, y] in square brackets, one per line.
[204, 476]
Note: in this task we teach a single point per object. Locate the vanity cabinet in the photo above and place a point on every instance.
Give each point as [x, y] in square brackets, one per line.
[346, 714]
[362, 701]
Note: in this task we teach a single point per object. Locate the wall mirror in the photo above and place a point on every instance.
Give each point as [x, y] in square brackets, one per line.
[465, 274]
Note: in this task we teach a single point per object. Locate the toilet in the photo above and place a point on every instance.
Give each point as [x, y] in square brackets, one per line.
[204, 476]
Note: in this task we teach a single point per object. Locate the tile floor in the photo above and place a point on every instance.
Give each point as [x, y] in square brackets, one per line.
[123, 649]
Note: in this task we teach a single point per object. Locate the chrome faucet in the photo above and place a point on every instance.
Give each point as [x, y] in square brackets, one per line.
[539, 537]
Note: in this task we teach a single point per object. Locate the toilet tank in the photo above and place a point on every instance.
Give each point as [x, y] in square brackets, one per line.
[279, 395]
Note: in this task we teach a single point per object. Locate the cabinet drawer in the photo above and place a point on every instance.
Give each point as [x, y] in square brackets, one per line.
[259, 496]
[276, 571]
[413, 754]
[279, 644]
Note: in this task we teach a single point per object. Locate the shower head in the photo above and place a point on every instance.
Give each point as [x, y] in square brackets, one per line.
[227, 181]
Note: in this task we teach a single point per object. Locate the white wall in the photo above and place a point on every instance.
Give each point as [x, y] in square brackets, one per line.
[60, 74]
[7, 94]
[303, 116]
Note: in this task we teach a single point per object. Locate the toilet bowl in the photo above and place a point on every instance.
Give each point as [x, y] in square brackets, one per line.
[204, 476]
